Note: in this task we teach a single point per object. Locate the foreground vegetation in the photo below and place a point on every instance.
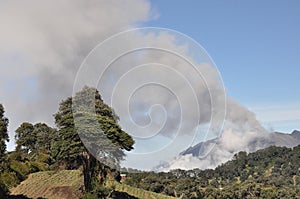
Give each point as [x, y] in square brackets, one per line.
[68, 184]
[51, 185]
[40, 147]
[136, 192]
[273, 172]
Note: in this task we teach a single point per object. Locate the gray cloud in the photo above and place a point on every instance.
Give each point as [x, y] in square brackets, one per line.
[42, 44]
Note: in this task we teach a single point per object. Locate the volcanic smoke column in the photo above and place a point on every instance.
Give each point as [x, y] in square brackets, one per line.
[164, 87]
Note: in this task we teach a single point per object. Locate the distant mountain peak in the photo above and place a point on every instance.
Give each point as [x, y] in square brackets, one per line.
[296, 134]
[211, 153]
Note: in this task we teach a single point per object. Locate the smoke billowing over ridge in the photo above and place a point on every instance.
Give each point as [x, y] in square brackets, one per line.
[44, 43]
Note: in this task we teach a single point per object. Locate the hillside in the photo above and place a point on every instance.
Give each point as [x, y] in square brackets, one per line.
[136, 192]
[67, 184]
[273, 172]
[51, 185]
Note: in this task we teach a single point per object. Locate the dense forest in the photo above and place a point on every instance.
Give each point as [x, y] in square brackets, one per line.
[273, 172]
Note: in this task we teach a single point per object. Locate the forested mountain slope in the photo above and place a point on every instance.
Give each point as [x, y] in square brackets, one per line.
[273, 172]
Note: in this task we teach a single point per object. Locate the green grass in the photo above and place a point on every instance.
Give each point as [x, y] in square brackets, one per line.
[41, 184]
[139, 193]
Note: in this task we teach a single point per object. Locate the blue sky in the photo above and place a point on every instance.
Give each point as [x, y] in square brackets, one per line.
[255, 45]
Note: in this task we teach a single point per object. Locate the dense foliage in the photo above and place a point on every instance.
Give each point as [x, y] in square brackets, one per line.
[85, 117]
[40, 147]
[16, 165]
[36, 138]
[273, 172]
[21, 162]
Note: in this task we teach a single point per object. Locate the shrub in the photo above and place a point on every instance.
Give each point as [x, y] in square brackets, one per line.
[21, 169]
[99, 192]
[3, 189]
[37, 166]
[9, 179]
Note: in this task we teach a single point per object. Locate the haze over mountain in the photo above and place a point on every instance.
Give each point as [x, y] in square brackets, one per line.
[224, 148]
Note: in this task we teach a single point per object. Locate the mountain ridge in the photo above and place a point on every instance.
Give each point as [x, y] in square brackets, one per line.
[275, 138]
[214, 152]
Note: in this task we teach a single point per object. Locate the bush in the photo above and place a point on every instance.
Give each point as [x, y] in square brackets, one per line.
[99, 192]
[42, 157]
[3, 189]
[37, 166]
[21, 169]
[9, 179]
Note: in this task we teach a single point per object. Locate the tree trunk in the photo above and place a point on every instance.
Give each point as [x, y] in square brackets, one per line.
[89, 163]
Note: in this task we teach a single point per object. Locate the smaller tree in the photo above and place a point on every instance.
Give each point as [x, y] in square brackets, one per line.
[45, 136]
[35, 138]
[25, 137]
[3, 133]
[3, 138]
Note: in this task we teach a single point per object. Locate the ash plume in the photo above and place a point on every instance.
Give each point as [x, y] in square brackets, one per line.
[42, 44]
[162, 97]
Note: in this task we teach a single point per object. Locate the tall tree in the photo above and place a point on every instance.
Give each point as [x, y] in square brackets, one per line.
[89, 130]
[3, 133]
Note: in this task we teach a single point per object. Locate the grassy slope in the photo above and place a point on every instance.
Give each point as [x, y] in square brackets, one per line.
[49, 184]
[65, 185]
[139, 193]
